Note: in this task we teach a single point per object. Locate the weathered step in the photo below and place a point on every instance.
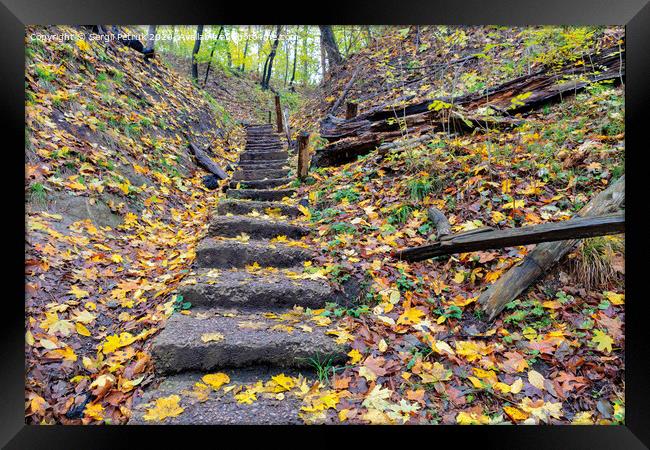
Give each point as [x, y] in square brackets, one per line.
[263, 156]
[243, 207]
[240, 289]
[260, 194]
[260, 174]
[220, 409]
[260, 184]
[257, 165]
[242, 340]
[230, 226]
[263, 148]
[227, 254]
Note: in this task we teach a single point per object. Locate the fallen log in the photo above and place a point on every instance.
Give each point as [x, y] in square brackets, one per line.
[577, 228]
[545, 255]
[516, 96]
[206, 162]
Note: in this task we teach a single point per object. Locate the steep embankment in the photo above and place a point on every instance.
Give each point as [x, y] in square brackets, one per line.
[421, 350]
[115, 206]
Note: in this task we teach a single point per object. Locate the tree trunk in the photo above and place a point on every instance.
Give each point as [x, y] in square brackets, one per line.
[151, 41]
[267, 80]
[331, 48]
[243, 62]
[214, 45]
[195, 51]
[545, 255]
[295, 58]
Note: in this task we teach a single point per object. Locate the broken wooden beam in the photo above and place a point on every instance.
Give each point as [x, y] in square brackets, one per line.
[544, 256]
[578, 228]
[278, 114]
[207, 163]
[351, 110]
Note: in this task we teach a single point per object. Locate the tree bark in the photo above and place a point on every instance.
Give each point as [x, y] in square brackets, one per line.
[331, 48]
[195, 51]
[545, 255]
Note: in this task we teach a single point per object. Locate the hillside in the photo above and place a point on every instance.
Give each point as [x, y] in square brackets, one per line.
[115, 207]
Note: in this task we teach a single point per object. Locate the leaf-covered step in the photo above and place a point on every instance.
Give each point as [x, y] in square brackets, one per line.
[231, 226]
[207, 340]
[263, 156]
[219, 253]
[241, 289]
[259, 174]
[214, 406]
[259, 184]
[260, 194]
[244, 207]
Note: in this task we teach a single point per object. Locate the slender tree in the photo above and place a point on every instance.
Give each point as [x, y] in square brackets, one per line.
[243, 61]
[214, 45]
[195, 51]
[269, 68]
[295, 58]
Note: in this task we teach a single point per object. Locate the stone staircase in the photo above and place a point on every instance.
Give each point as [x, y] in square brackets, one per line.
[232, 326]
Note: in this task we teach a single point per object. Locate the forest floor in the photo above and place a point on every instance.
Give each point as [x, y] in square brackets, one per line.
[116, 210]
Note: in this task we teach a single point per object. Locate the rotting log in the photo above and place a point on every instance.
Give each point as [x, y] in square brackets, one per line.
[577, 228]
[545, 255]
[207, 163]
[303, 155]
[515, 96]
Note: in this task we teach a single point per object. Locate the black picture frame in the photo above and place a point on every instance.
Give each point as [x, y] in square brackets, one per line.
[634, 14]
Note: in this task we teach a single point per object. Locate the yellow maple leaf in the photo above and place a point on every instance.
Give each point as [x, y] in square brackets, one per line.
[246, 397]
[95, 411]
[78, 292]
[471, 418]
[216, 380]
[165, 407]
[83, 45]
[212, 337]
[602, 341]
[283, 383]
[515, 414]
[410, 316]
[614, 298]
[355, 356]
[115, 341]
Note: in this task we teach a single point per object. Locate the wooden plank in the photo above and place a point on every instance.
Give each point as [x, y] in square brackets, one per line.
[278, 114]
[545, 255]
[303, 155]
[578, 228]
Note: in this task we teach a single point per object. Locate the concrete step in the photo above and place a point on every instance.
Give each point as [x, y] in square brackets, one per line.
[220, 409]
[227, 254]
[261, 165]
[260, 184]
[243, 207]
[240, 289]
[259, 174]
[260, 194]
[244, 340]
[263, 156]
[256, 228]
